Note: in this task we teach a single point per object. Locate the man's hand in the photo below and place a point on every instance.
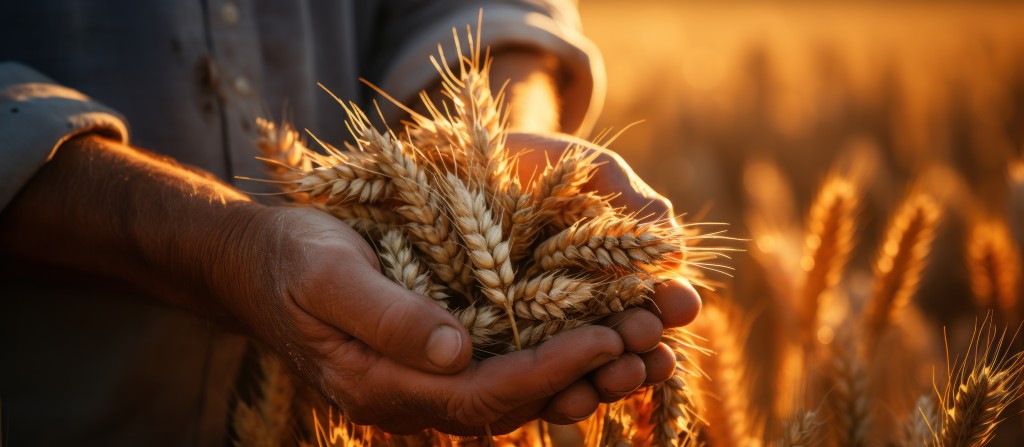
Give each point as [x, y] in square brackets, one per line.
[311, 288]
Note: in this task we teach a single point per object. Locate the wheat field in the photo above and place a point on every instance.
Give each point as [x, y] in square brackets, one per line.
[870, 154]
[810, 128]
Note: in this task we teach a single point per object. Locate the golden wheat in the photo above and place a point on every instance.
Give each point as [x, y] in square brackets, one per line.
[900, 263]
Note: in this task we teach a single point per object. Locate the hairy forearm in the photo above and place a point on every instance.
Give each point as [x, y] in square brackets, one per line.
[107, 210]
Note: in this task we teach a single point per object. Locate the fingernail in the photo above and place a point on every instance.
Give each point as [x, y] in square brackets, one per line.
[444, 346]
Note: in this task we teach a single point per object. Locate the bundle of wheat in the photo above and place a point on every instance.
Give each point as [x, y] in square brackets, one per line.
[516, 260]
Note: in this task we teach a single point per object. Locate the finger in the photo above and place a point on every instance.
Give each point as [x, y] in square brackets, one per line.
[619, 378]
[574, 404]
[660, 364]
[489, 389]
[675, 302]
[504, 425]
[401, 325]
[541, 372]
[640, 329]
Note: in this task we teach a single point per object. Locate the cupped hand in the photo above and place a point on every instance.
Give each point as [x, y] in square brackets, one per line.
[675, 303]
[309, 286]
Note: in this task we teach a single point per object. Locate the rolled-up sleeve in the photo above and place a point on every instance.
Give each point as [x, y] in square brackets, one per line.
[551, 26]
[36, 116]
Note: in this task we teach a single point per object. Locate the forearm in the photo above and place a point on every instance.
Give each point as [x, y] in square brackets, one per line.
[107, 210]
[532, 89]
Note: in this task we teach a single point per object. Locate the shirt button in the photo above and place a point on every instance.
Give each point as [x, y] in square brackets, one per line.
[229, 13]
[242, 85]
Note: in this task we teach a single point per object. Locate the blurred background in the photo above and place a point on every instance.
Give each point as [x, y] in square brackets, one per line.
[749, 106]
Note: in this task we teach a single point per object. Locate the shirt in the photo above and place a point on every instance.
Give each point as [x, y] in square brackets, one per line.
[187, 78]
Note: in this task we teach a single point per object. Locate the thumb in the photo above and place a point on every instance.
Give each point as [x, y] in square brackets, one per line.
[404, 326]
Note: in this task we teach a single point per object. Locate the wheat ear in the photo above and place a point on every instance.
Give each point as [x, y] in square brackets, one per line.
[622, 293]
[612, 243]
[284, 154]
[400, 264]
[980, 389]
[995, 267]
[920, 428]
[802, 430]
[899, 265]
[535, 332]
[485, 324]
[366, 219]
[427, 227]
[556, 189]
[674, 415]
[729, 422]
[268, 421]
[549, 296]
[486, 250]
[827, 248]
[846, 388]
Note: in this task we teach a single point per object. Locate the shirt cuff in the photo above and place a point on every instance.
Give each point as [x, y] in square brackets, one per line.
[36, 117]
[582, 96]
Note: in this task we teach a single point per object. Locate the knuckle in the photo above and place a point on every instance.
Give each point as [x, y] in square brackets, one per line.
[396, 323]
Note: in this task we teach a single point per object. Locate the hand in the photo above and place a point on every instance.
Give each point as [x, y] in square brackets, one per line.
[674, 304]
[310, 287]
[298, 279]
